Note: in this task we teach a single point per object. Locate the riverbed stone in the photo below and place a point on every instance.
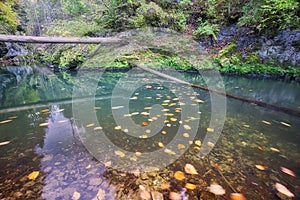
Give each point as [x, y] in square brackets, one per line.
[95, 181]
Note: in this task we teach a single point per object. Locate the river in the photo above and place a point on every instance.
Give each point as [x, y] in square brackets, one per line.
[127, 134]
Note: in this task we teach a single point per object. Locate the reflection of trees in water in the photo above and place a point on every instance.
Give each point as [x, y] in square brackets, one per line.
[23, 85]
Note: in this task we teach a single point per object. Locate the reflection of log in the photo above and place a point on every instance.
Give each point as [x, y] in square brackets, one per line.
[259, 103]
[77, 40]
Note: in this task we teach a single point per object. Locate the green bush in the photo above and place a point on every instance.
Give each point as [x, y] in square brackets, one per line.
[206, 29]
[8, 17]
[270, 15]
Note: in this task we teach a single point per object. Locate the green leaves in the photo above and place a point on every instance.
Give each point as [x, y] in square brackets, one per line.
[270, 15]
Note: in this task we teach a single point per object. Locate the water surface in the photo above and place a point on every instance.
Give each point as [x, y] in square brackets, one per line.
[43, 134]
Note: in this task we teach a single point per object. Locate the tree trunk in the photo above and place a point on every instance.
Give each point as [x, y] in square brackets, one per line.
[76, 40]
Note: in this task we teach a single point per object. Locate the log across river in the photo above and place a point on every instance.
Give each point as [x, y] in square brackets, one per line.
[259, 103]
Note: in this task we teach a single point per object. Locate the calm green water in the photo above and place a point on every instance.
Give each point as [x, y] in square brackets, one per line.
[58, 150]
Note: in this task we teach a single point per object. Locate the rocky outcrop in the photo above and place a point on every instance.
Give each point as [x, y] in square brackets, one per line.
[11, 50]
[283, 47]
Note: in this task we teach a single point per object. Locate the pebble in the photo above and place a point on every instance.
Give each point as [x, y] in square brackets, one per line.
[95, 181]
[76, 195]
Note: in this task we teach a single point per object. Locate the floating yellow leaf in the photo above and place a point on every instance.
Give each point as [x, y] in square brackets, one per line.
[266, 122]
[4, 143]
[186, 135]
[98, 128]
[164, 132]
[190, 169]
[198, 143]
[169, 114]
[13, 117]
[143, 136]
[118, 128]
[44, 124]
[5, 121]
[173, 119]
[90, 125]
[274, 150]
[33, 175]
[179, 175]
[165, 186]
[237, 196]
[187, 127]
[148, 131]
[147, 108]
[45, 110]
[210, 130]
[285, 124]
[261, 167]
[260, 148]
[160, 144]
[180, 146]
[190, 186]
[199, 101]
[134, 98]
[120, 154]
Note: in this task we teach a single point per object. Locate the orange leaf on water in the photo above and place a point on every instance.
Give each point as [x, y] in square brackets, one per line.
[260, 148]
[165, 186]
[33, 175]
[45, 110]
[237, 196]
[179, 175]
[261, 167]
[190, 169]
[145, 123]
[190, 186]
[5, 121]
[274, 150]
[288, 171]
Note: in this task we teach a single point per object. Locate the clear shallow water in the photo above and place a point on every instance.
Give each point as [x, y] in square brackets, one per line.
[33, 96]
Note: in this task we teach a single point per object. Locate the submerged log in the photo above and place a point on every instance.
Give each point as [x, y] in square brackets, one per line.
[244, 99]
[62, 40]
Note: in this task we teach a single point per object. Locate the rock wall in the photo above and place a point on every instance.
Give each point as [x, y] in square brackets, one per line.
[284, 47]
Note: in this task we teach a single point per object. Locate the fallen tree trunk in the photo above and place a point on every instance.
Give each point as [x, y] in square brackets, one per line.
[244, 99]
[62, 40]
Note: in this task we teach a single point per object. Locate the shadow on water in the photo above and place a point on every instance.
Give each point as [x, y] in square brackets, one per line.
[45, 139]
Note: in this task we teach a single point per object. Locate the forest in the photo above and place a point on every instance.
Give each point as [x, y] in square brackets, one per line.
[204, 20]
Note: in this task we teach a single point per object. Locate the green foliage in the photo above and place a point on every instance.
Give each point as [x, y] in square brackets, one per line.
[206, 29]
[117, 14]
[8, 17]
[76, 27]
[75, 7]
[270, 15]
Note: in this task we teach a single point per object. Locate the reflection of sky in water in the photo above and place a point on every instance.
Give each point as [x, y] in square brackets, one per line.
[67, 165]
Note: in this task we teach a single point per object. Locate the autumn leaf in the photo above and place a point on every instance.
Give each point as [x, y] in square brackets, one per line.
[288, 171]
[33, 175]
[216, 189]
[179, 175]
[190, 169]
